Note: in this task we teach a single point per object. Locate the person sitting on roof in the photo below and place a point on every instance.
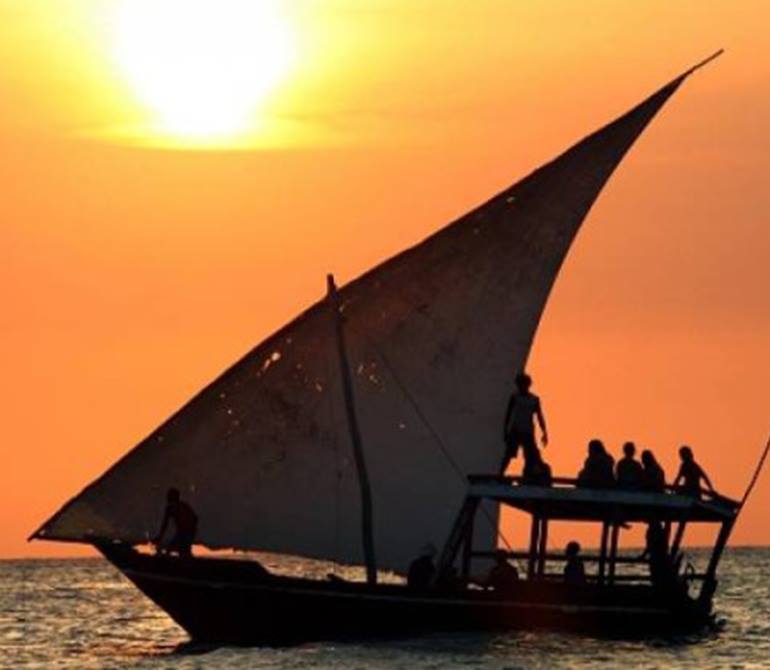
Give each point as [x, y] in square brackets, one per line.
[629, 471]
[519, 425]
[653, 479]
[690, 474]
[574, 569]
[502, 576]
[422, 569]
[536, 471]
[185, 526]
[598, 469]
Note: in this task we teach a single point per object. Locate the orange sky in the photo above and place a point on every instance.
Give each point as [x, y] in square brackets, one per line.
[133, 272]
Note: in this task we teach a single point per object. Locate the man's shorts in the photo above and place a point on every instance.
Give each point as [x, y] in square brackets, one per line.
[524, 440]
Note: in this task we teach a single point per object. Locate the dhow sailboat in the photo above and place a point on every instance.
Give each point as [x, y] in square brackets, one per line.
[368, 426]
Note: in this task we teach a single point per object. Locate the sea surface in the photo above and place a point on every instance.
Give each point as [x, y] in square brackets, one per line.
[84, 614]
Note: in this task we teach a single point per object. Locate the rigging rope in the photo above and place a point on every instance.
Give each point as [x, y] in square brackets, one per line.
[757, 471]
[337, 468]
[432, 431]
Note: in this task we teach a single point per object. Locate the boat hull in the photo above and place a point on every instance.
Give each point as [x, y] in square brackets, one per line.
[237, 602]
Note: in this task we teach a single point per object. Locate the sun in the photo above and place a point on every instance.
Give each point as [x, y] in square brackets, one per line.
[202, 67]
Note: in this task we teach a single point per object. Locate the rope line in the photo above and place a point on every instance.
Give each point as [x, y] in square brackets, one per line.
[337, 466]
[436, 437]
[757, 472]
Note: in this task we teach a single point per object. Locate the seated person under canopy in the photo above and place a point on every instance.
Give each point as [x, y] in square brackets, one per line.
[574, 568]
[422, 569]
[502, 576]
[663, 566]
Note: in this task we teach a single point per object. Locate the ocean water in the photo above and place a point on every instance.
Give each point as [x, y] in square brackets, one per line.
[84, 614]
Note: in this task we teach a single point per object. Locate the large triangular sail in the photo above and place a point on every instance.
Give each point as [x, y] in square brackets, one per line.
[433, 337]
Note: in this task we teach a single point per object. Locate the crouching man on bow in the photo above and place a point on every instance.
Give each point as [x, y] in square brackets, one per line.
[185, 522]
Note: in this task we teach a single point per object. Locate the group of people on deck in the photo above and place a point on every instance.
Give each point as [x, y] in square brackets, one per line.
[599, 469]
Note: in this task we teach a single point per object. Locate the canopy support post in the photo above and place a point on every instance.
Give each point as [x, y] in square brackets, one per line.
[355, 436]
[542, 547]
[613, 551]
[677, 541]
[534, 535]
[603, 552]
[461, 531]
[710, 582]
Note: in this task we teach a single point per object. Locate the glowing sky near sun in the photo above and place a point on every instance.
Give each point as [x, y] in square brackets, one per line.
[202, 67]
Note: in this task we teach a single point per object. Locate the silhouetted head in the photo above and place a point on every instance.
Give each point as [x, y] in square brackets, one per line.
[629, 449]
[685, 453]
[172, 495]
[501, 556]
[648, 459]
[573, 549]
[595, 447]
[523, 382]
[428, 550]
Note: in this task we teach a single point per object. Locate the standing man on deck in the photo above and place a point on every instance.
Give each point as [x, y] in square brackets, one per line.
[519, 426]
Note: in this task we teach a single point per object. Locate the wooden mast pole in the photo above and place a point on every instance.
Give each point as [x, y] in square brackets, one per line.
[367, 534]
[603, 551]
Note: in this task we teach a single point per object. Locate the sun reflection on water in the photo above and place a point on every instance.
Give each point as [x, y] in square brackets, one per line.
[84, 614]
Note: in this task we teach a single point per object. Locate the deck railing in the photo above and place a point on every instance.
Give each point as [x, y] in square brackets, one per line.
[572, 483]
[590, 559]
[587, 558]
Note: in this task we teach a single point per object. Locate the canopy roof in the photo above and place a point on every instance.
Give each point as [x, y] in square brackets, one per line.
[567, 502]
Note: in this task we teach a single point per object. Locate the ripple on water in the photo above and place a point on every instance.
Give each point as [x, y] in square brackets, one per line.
[84, 614]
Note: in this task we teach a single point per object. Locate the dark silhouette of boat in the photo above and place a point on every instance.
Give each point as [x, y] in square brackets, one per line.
[354, 432]
[235, 601]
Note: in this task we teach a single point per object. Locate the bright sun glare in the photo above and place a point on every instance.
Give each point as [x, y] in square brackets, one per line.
[202, 66]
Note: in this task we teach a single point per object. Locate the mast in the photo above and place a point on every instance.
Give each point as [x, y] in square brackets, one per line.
[367, 536]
